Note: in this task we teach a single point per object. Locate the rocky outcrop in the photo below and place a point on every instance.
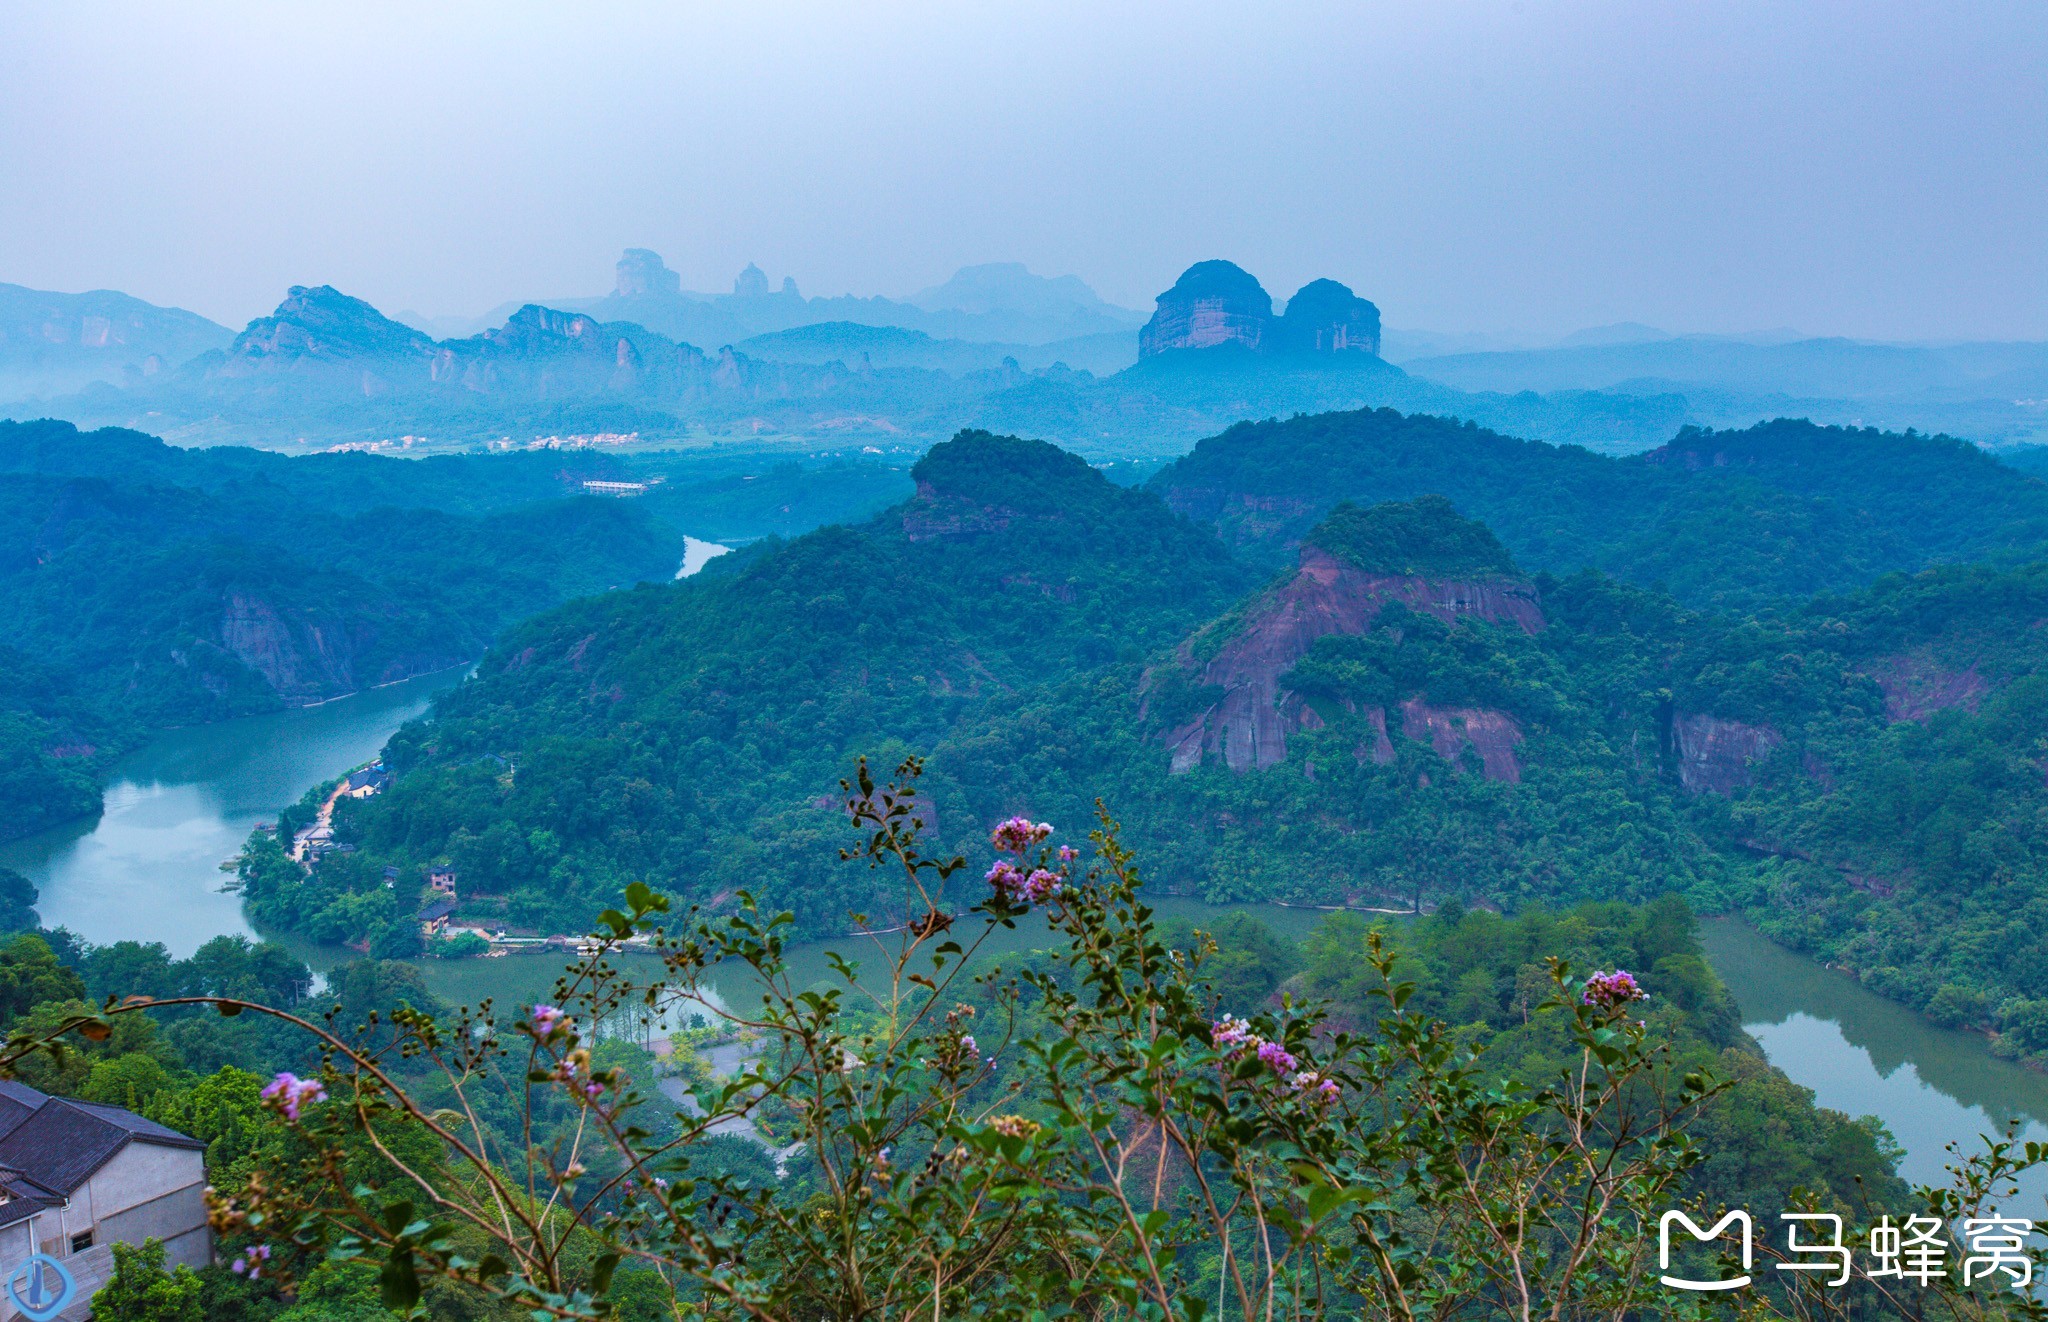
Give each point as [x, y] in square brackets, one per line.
[1916, 685]
[300, 661]
[1717, 756]
[1493, 735]
[1212, 304]
[642, 274]
[323, 325]
[1325, 317]
[1248, 727]
[936, 515]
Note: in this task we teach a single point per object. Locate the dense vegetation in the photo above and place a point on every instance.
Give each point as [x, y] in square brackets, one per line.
[145, 585]
[1783, 509]
[1463, 1116]
[1042, 633]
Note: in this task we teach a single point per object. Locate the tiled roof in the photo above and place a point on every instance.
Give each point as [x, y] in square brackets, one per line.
[61, 1143]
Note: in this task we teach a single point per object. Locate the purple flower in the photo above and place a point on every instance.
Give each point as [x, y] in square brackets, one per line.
[251, 1261]
[967, 1045]
[1609, 991]
[1041, 886]
[546, 1019]
[288, 1093]
[1316, 1086]
[1068, 853]
[1019, 834]
[1276, 1057]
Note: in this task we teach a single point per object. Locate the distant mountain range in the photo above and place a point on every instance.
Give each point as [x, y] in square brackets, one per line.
[983, 349]
[1001, 302]
[57, 343]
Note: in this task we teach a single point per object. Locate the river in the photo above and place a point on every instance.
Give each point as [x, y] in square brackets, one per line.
[148, 869]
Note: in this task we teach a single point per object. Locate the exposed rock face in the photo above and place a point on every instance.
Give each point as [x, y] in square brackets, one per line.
[1326, 317]
[1916, 686]
[1213, 303]
[306, 657]
[1493, 735]
[935, 515]
[324, 324]
[1717, 756]
[642, 274]
[298, 660]
[1219, 303]
[750, 283]
[1249, 726]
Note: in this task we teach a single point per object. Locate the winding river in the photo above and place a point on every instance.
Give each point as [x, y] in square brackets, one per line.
[148, 869]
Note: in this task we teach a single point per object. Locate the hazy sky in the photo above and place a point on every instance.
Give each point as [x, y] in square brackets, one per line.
[1855, 167]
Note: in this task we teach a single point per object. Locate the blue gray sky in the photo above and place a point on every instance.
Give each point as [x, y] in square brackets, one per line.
[1861, 167]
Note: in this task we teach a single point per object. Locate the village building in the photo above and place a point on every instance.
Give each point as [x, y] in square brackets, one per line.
[434, 918]
[372, 779]
[442, 880]
[77, 1177]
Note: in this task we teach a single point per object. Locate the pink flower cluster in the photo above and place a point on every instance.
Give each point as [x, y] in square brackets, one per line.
[1232, 1035]
[251, 1261]
[1014, 885]
[1609, 991]
[1230, 1032]
[968, 1047]
[1276, 1057]
[1322, 1089]
[546, 1019]
[1019, 834]
[289, 1093]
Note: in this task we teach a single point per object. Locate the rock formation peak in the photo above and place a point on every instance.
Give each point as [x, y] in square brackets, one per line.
[1219, 303]
[751, 283]
[642, 274]
[1326, 317]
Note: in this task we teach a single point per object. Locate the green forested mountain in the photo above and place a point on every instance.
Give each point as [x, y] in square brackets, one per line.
[1407, 715]
[1782, 509]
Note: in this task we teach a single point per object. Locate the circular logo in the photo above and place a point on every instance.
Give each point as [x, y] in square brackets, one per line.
[40, 1287]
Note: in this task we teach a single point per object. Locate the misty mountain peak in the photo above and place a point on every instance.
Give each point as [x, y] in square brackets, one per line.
[642, 274]
[998, 287]
[322, 322]
[750, 283]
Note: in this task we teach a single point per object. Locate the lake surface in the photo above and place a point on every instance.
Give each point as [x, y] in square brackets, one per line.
[698, 553]
[148, 869]
[1864, 1055]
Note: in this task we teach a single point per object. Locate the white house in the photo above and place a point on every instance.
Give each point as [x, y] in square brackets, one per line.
[76, 1177]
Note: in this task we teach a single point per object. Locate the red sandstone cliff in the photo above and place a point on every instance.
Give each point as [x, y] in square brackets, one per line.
[1248, 727]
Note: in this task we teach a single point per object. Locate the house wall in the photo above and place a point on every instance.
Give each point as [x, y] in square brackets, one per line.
[145, 1192]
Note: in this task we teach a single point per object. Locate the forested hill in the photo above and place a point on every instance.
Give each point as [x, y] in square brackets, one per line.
[1406, 715]
[700, 729]
[1783, 509]
[141, 585]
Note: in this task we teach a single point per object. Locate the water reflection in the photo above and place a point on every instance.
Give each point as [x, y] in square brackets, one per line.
[1864, 1055]
[148, 869]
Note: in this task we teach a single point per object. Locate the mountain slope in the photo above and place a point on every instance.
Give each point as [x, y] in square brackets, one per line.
[1784, 508]
[52, 344]
[699, 730]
